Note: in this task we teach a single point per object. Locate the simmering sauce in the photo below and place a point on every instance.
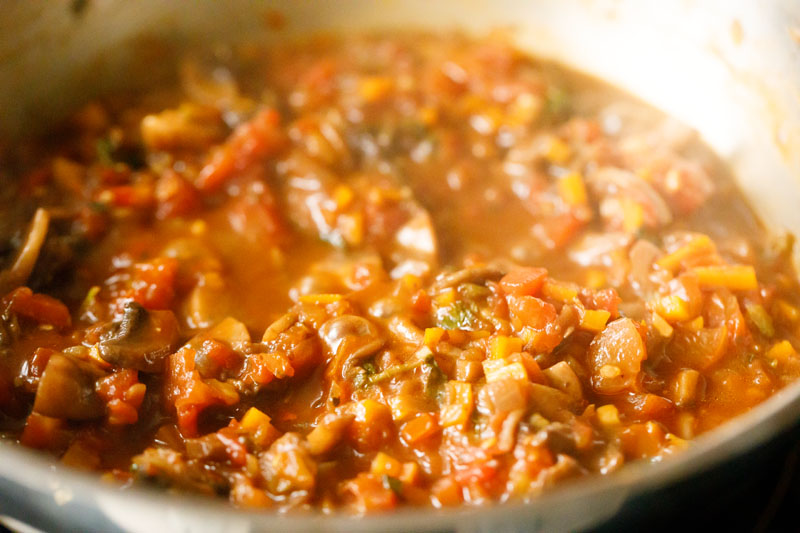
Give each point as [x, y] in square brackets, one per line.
[372, 271]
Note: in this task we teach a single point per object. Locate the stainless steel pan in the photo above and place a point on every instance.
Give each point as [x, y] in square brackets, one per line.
[731, 69]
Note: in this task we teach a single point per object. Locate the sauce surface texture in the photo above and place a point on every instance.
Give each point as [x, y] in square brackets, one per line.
[365, 272]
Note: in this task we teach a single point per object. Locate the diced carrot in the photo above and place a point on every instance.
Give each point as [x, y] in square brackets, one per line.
[375, 88]
[594, 320]
[595, 278]
[81, 453]
[420, 428]
[673, 308]
[733, 277]
[781, 351]
[432, 337]
[372, 427]
[524, 281]
[409, 474]
[532, 368]
[560, 291]
[700, 245]
[320, 299]
[632, 215]
[468, 370]
[572, 190]
[661, 325]
[446, 297]
[254, 418]
[557, 151]
[608, 415]
[502, 346]
[384, 464]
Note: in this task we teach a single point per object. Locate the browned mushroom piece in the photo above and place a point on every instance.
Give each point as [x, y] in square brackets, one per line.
[67, 389]
[141, 339]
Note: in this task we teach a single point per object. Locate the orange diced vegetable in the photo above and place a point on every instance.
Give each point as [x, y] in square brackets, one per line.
[781, 351]
[608, 415]
[432, 337]
[502, 346]
[557, 151]
[594, 320]
[420, 428]
[673, 308]
[373, 425]
[524, 281]
[733, 277]
[384, 464]
[632, 215]
[560, 291]
[572, 189]
[375, 88]
[457, 410]
[500, 369]
[698, 246]
[320, 299]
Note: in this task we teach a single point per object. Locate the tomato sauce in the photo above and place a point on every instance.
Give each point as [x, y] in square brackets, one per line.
[372, 271]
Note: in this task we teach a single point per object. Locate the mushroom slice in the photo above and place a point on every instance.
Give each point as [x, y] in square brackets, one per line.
[67, 389]
[141, 339]
[28, 254]
[349, 339]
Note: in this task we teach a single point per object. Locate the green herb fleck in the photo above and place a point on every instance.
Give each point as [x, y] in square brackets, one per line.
[105, 151]
[557, 103]
[473, 291]
[370, 368]
[760, 318]
[458, 315]
[393, 484]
